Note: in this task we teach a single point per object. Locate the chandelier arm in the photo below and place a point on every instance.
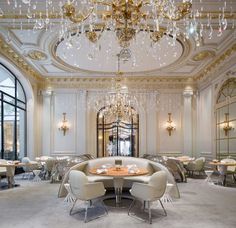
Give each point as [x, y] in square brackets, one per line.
[80, 18]
[101, 2]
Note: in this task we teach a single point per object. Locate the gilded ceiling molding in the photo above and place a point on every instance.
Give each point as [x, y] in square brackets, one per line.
[18, 60]
[37, 55]
[150, 83]
[212, 66]
[203, 55]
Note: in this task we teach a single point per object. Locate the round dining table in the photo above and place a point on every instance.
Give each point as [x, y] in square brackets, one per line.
[10, 170]
[118, 174]
[223, 166]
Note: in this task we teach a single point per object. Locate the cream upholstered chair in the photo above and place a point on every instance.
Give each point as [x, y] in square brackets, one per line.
[28, 169]
[150, 192]
[49, 167]
[85, 191]
[196, 165]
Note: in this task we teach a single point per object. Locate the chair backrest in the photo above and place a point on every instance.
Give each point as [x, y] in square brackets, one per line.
[49, 164]
[3, 169]
[159, 181]
[26, 160]
[200, 163]
[77, 180]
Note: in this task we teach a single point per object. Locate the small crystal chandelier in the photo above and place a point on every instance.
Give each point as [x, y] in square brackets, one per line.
[118, 102]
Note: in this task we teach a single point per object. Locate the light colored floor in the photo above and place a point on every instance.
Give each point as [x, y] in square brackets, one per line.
[35, 205]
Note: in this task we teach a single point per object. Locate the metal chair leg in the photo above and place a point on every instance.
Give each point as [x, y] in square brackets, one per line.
[149, 212]
[86, 212]
[73, 207]
[104, 206]
[163, 208]
[131, 206]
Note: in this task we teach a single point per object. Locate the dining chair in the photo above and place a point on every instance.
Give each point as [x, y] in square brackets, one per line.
[86, 191]
[148, 193]
[196, 166]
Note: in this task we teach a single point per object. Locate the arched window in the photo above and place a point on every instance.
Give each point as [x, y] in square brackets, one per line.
[226, 120]
[227, 90]
[12, 116]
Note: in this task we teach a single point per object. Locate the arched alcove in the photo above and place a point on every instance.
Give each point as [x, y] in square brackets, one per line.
[226, 120]
[117, 135]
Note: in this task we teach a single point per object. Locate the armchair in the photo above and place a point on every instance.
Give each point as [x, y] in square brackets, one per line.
[150, 192]
[85, 191]
[196, 166]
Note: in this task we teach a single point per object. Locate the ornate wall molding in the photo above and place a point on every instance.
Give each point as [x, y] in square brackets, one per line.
[7, 51]
[150, 83]
[216, 63]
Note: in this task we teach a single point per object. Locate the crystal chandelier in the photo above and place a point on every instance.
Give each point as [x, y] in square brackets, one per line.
[118, 102]
[129, 17]
[124, 18]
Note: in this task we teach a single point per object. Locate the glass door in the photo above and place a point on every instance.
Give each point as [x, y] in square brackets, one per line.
[117, 137]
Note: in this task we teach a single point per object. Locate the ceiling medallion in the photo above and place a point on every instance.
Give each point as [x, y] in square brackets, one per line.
[37, 55]
[203, 55]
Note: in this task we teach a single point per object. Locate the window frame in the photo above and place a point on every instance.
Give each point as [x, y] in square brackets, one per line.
[16, 107]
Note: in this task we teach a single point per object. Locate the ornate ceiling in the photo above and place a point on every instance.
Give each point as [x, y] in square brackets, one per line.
[42, 55]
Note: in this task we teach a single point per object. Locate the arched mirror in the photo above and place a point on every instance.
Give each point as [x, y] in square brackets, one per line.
[117, 132]
[226, 120]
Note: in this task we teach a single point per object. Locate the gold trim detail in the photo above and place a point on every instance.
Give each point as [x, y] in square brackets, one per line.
[19, 61]
[37, 55]
[216, 63]
[203, 55]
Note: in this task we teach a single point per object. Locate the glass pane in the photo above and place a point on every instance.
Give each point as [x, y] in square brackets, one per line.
[232, 132]
[7, 82]
[222, 133]
[223, 148]
[20, 134]
[9, 99]
[221, 113]
[232, 111]
[218, 130]
[218, 148]
[232, 146]
[21, 105]
[20, 92]
[9, 120]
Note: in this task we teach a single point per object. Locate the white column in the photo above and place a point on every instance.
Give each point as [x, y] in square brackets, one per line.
[46, 123]
[81, 121]
[187, 122]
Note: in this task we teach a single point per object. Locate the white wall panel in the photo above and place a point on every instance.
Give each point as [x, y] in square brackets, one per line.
[64, 103]
[205, 123]
[170, 103]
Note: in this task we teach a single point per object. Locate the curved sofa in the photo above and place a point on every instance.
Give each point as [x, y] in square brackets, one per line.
[108, 181]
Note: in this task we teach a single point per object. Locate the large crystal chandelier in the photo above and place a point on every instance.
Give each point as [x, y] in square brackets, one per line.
[124, 18]
[129, 17]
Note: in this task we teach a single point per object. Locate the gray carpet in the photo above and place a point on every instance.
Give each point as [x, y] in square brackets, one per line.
[35, 205]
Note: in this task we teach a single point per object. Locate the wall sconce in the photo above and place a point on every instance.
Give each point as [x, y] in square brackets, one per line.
[226, 126]
[64, 126]
[170, 126]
